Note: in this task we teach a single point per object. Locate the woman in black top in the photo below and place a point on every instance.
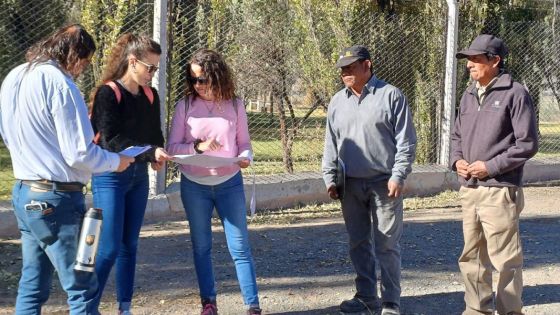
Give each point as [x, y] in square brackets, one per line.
[125, 112]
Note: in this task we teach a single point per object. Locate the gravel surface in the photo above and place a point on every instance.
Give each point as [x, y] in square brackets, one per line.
[303, 265]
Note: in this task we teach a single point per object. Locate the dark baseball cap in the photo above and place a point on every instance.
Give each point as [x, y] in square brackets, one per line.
[484, 44]
[352, 54]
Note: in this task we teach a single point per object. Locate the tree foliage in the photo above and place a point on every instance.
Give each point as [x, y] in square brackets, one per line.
[283, 51]
[23, 24]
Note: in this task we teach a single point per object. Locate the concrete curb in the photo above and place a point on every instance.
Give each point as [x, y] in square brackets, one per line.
[288, 191]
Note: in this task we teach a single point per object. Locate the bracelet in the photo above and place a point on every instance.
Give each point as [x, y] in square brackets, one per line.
[196, 143]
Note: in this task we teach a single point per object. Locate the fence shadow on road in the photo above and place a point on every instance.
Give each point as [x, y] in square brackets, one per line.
[314, 255]
[314, 250]
[319, 251]
[452, 302]
[311, 257]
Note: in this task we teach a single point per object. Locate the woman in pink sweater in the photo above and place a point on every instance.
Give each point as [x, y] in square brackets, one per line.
[210, 120]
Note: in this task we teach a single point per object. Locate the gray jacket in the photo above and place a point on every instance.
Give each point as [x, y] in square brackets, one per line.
[373, 135]
[502, 132]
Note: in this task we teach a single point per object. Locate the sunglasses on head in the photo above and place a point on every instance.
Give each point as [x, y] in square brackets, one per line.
[151, 68]
[199, 80]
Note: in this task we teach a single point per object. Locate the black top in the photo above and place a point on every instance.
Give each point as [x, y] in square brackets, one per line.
[132, 122]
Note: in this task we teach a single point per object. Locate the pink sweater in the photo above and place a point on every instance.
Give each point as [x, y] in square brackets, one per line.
[203, 121]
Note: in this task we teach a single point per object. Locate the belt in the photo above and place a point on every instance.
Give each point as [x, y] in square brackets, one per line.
[44, 184]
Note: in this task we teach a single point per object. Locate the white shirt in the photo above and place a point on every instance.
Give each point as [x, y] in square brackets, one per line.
[44, 123]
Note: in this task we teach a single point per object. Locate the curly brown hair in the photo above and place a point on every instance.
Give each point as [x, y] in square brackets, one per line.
[216, 71]
[67, 46]
[117, 62]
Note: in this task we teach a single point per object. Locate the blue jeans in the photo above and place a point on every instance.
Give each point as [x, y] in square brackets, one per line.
[229, 199]
[49, 241]
[374, 223]
[122, 198]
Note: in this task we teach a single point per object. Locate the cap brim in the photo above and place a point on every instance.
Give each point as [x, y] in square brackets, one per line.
[345, 61]
[469, 52]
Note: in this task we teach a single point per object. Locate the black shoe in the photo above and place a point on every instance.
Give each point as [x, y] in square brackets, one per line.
[357, 304]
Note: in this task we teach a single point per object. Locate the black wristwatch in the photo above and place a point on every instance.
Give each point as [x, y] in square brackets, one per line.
[196, 143]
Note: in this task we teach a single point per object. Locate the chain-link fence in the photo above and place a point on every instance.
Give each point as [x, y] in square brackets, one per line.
[534, 61]
[283, 59]
[282, 54]
[26, 22]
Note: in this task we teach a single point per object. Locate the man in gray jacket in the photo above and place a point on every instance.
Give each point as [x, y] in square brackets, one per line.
[495, 133]
[370, 135]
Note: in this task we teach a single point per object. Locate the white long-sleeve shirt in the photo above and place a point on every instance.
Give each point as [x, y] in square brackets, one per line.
[44, 123]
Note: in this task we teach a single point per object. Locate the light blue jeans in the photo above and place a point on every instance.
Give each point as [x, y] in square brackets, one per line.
[49, 241]
[374, 223]
[122, 197]
[229, 199]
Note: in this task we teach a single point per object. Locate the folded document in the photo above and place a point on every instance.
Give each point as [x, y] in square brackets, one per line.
[135, 151]
[207, 161]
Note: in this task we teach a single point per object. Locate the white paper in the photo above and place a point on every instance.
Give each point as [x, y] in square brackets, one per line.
[135, 151]
[207, 161]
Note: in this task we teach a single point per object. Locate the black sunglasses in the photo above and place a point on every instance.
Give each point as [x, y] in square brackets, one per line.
[151, 68]
[200, 80]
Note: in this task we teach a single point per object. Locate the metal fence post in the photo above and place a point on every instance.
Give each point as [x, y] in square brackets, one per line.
[450, 88]
[157, 179]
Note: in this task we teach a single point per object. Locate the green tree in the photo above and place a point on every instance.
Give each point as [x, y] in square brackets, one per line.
[106, 20]
[25, 23]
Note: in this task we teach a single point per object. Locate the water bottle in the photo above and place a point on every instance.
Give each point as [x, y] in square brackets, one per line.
[89, 240]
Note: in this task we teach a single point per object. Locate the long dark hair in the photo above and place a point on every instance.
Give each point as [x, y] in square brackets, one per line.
[216, 71]
[117, 62]
[68, 45]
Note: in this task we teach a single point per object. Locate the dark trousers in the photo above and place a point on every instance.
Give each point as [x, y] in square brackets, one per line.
[374, 223]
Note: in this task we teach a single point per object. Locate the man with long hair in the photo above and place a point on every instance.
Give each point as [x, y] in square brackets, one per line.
[44, 124]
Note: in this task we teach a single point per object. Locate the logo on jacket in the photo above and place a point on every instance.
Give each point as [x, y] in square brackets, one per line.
[496, 104]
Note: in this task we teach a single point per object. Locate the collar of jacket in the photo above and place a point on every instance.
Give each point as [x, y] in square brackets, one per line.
[370, 86]
[504, 82]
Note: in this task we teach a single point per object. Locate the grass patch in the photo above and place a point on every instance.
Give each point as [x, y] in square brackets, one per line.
[297, 214]
[306, 156]
[6, 173]
[549, 144]
[9, 270]
[446, 199]
[307, 149]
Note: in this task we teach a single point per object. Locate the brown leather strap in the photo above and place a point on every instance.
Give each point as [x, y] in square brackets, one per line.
[46, 185]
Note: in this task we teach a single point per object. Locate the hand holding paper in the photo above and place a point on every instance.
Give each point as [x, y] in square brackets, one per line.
[244, 162]
[135, 151]
[162, 155]
[124, 162]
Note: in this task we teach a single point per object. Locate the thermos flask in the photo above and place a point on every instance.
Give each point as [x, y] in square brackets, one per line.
[89, 240]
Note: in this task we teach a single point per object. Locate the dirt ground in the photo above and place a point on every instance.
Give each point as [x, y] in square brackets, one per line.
[303, 266]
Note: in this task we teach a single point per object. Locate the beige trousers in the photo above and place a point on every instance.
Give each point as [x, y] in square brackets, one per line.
[491, 235]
